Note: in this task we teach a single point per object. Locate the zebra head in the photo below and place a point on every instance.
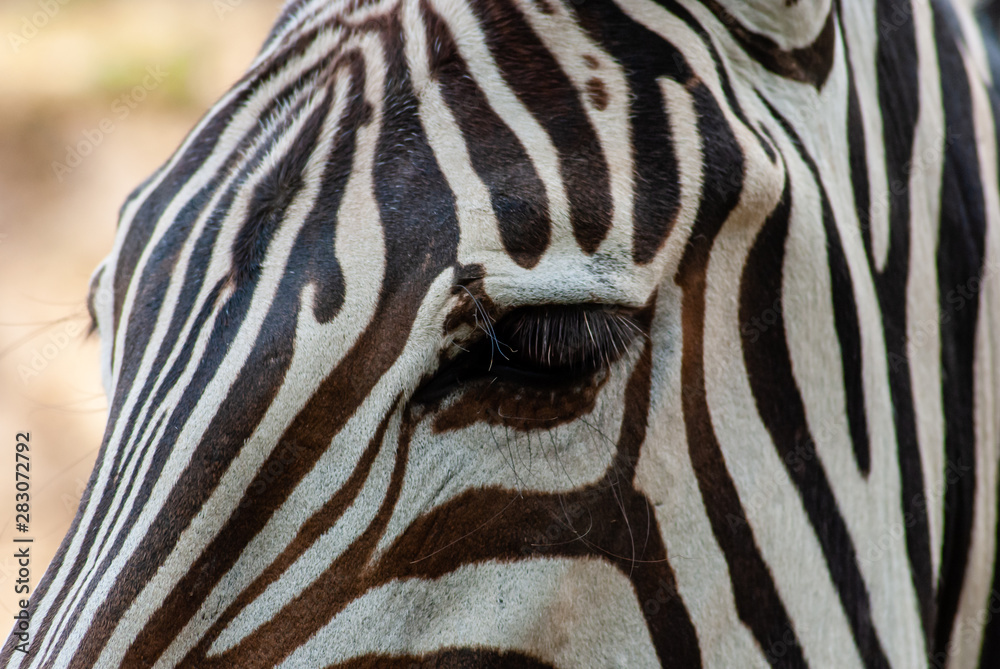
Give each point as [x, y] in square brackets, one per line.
[536, 333]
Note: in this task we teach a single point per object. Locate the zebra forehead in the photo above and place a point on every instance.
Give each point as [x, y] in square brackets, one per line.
[531, 158]
[504, 128]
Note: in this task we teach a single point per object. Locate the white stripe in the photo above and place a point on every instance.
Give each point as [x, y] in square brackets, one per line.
[317, 558]
[555, 460]
[861, 36]
[869, 507]
[316, 488]
[923, 315]
[573, 614]
[502, 99]
[566, 41]
[479, 238]
[243, 121]
[318, 349]
[665, 475]
[687, 141]
[975, 50]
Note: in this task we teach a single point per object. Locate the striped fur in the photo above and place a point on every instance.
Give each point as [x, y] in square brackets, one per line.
[528, 333]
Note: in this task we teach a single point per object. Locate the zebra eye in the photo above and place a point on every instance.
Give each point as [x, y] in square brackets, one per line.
[549, 346]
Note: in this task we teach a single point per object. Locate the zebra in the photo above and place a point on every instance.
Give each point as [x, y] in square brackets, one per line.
[535, 333]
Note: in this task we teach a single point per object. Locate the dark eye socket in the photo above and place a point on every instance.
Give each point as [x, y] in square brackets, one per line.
[549, 345]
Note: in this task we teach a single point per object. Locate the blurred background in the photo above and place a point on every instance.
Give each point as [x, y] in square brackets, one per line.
[94, 95]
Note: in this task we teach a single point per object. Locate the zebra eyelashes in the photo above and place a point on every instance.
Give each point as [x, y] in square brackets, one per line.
[548, 345]
[564, 339]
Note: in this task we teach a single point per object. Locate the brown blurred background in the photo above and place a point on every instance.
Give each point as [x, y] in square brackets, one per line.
[68, 74]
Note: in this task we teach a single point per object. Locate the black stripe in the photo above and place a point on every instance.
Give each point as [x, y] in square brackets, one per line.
[312, 261]
[990, 656]
[645, 57]
[858, 155]
[844, 310]
[859, 169]
[899, 101]
[988, 18]
[961, 252]
[782, 410]
[516, 192]
[756, 597]
[162, 263]
[162, 260]
[452, 658]
[542, 86]
[845, 314]
[408, 187]
[586, 522]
